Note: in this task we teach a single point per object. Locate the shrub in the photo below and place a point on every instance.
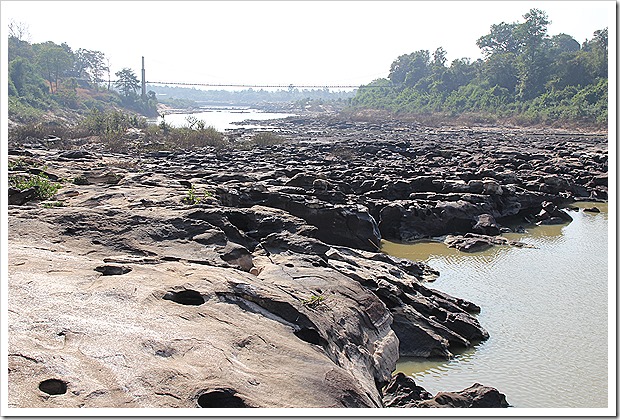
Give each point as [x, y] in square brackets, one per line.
[44, 188]
[192, 198]
[266, 138]
[313, 301]
[188, 138]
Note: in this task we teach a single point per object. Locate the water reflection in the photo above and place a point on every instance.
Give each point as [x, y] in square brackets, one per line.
[544, 308]
[418, 365]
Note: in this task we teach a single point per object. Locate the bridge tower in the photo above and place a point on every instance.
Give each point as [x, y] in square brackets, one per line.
[143, 80]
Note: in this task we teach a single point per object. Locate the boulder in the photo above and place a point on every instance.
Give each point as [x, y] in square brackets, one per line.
[19, 197]
[476, 396]
[403, 392]
[347, 225]
[471, 242]
[486, 225]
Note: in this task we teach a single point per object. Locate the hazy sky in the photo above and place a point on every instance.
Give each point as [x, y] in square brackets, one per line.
[284, 42]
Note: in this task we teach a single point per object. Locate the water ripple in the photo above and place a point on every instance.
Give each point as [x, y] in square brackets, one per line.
[545, 310]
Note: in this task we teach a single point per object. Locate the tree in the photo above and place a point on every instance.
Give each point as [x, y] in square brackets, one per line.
[53, 60]
[501, 70]
[127, 82]
[107, 70]
[597, 50]
[563, 43]
[533, 60]
[533, 32]
[399, 69]
[500, 40]
[528, 43]
[408, 69]
[439, 58]
[460, 73]
[90, 64]
[524, 72]
[18, 30]
[19, 48]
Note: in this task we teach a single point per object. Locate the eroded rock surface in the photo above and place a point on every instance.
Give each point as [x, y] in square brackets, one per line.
[403, 392]
[270, 290]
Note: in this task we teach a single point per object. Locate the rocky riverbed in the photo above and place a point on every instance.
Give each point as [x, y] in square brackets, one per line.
[238, 277]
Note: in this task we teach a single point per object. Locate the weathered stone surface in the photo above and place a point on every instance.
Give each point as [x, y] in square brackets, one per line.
[19, 197]
[476, 396]
[403, 392]
[269, 292]
[486, 225]
[169, 331]
[471, 242]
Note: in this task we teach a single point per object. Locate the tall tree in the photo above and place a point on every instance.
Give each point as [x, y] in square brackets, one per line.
[500, 40]
[19, 30]
[597, 49]
[53, 60]
[127, 82]
[563, 43]
[90, 64]
[533, 62]
[408, 69]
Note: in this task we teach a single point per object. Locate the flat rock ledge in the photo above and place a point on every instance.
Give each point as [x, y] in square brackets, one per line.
[270, 289]
[472, 242]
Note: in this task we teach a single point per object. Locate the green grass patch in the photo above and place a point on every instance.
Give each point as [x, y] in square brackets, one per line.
[45, 189]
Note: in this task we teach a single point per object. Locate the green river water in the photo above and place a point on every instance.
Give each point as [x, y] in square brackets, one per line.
[546, 310]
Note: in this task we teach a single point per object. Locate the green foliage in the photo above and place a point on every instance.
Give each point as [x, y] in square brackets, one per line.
[52, 204]
[110, 124]
[52, 61]
[313, 301]
[266, 138]
[90, 65]
[193, 198]
[127, 82]
[44, 188]
[50, 77]
[525, 75]
[195, 135]
[23, 112]
[16, 164]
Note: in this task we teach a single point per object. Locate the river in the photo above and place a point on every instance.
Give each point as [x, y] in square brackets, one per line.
[224, 117]
[546, 310]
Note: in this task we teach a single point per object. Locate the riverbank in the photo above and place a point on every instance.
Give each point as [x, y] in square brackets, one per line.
[253, 278]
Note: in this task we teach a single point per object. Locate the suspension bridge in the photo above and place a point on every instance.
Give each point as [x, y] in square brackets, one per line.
[289, 86]
[144, 82]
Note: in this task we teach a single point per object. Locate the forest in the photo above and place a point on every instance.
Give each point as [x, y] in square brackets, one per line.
[525, 76]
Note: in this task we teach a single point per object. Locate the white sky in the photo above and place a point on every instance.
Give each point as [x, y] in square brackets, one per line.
[284, 42]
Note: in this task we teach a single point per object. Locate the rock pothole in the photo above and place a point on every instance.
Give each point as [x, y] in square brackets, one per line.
[53, 386]
[221, 398]
[185, 297]
[310, 335]
[113, 270]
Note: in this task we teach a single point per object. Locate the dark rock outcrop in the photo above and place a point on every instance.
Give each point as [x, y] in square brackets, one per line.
[403, 392]
[471, 242]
